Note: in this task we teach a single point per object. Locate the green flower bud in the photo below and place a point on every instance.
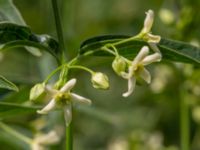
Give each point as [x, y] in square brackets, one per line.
[119, 65]
[100, 81]
[37, 91]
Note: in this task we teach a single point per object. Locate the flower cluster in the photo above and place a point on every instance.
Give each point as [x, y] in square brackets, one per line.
[127, 69]
[131, 70]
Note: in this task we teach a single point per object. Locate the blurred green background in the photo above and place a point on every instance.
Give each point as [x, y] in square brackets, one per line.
[147, 120]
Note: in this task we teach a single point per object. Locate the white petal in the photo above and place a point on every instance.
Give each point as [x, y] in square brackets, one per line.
[145, 75]
[50, 106]
[153, 38]
[47, 139]
[148, 22]
[141, 55]
[154, 47]
[68, 86]
[156, 57]
[131, 87]
[50, 90]
[80, 99]
[68, 114]
[125, 75]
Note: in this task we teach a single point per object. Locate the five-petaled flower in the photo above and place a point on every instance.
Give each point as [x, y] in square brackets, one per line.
[136, 68]
[64, 98]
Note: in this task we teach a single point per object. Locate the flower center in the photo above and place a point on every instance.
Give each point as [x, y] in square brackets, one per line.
[63, 97]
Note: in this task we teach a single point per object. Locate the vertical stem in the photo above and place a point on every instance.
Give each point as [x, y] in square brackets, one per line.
[69, 137]
[184, 122]
[58, 28]
[63, 74]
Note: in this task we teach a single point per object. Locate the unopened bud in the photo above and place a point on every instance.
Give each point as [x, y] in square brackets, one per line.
[37, 91]
[119, 65]
[100, 81]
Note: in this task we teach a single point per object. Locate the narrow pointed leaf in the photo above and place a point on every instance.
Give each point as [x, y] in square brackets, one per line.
[5, 84]
[171, 50]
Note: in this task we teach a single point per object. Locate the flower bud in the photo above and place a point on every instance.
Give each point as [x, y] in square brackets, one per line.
[37, 91]
[100, 81]
[119, 65]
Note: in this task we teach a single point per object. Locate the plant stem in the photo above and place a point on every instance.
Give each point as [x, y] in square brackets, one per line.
[184, 122]
[15, 133]
[59, 28]
[64, 71]
[81, 67]
[136, 37]
[69, 137]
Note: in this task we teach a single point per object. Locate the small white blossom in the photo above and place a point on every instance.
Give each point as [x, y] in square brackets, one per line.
[137, 68]
[64, 98]
[40, 141]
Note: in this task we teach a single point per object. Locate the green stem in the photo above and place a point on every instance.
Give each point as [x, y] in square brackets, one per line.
[136, 37]
[53, 72]
[15, 133]
[64, 72]
[69, 137]
[184, 122]
[104, 48]
[59, 28]
[81, 67]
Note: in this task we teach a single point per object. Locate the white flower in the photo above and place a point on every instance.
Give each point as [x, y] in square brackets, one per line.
[137, 68]
[146, 31]
[64, 98]
[42, 140]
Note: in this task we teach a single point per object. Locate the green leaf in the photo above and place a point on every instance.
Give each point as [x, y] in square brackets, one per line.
[171, 50]
[5, 84]
[8, 12]
[13, 35]
[8, 110]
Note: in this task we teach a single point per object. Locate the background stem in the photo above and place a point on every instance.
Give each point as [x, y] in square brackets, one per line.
[184, 122]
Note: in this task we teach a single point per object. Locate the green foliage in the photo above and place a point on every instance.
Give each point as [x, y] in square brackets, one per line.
[8, 110]
[113, 121]
[171, 50]
[5, 84]
[13, 35]
[8, 12]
